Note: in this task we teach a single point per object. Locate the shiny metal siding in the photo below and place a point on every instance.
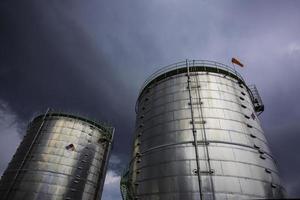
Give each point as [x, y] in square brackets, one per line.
[235, 161]
[51, 171]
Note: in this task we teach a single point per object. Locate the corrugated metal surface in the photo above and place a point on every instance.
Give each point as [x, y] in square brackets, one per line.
[61, 157]
[215, 109]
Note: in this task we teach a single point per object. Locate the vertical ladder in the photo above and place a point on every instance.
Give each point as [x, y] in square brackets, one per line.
[26, 155]
[204, 136]
[194, 131]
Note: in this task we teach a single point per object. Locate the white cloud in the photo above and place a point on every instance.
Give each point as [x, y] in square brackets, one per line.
[114, 160]
[294, 48]
[9, 136]
[111, 190]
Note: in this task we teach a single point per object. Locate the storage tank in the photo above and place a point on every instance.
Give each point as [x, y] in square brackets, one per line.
[62, 156]
[198, 136]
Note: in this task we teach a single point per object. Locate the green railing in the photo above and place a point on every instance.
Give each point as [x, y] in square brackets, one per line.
[107, 128]
[126, 186]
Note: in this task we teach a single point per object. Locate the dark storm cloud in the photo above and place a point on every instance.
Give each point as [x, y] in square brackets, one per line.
[49, 60]
[91, 57]
[46, 58]
[284, 142]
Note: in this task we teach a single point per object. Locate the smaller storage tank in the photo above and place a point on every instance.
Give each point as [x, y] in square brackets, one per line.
[62, 156]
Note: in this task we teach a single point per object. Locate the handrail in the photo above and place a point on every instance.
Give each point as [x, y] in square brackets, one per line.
[99, 124]
[192, 63]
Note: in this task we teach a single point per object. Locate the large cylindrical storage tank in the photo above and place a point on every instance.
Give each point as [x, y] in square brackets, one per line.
[198, 136]
[62, 156]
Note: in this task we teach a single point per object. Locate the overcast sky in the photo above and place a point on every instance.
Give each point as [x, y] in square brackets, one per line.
[91, 57]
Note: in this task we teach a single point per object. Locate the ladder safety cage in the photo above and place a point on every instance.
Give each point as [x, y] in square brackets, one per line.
[256, 99]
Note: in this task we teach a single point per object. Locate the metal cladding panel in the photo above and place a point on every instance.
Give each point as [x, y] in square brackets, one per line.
[233, 155]
[66, 160]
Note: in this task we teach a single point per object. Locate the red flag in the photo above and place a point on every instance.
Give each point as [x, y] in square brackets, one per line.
[235, 61]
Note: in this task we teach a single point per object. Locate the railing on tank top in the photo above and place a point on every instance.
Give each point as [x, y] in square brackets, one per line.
[193, 63]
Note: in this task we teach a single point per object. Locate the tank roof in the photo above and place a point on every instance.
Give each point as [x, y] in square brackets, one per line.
[194, 66]
[99, 125]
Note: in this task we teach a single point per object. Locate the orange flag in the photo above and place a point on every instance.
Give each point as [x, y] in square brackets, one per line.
[235, 61]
